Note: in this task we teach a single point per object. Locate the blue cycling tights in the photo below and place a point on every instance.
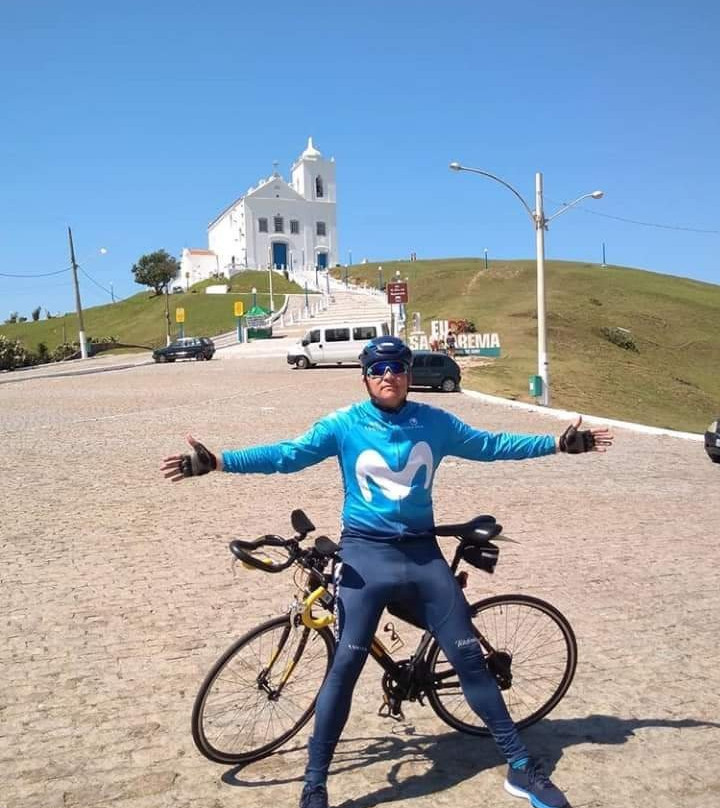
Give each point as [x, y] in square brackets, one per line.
[412, 573]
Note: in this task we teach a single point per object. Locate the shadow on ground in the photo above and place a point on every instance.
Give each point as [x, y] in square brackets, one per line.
[449, 758]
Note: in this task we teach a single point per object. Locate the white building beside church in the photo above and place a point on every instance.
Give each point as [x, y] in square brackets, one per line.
[289, 225]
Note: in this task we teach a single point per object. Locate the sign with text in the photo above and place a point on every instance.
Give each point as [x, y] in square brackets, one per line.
[179, 315]
[257, 322]
[239, 308]
[466, 343]
[397, 292]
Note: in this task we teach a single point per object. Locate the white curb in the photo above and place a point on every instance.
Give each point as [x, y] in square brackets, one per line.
[566, 415]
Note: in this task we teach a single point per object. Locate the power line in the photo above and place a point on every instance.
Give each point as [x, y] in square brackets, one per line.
[40, 275]
[90, 278]
[638, 222]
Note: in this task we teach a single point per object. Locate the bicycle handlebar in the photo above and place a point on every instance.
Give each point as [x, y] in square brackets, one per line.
[245, 551]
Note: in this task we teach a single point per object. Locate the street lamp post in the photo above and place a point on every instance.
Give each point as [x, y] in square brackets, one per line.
[540, 223]
[486, 252]
[254, 297]
[272, 302]
[167, 314]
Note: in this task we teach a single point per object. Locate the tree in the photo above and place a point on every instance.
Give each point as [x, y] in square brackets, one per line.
[156, 269]
[36, 314]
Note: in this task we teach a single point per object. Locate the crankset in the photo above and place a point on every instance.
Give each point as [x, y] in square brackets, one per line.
[395, 691]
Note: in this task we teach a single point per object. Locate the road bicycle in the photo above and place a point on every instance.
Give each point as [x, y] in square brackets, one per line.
[262, 690]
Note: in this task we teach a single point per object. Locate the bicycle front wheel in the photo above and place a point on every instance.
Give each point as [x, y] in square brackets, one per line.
[529, 647]
[261, 691]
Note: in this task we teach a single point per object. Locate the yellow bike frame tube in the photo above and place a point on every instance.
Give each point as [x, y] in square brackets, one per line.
[307, 617]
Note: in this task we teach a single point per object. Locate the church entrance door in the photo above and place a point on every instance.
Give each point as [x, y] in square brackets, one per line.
[322, 260]
[279, 254]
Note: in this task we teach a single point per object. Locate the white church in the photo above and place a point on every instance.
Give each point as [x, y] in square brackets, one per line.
[287, 225]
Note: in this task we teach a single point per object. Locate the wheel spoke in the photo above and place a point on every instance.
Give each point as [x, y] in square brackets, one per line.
[539, 645]
[262, 692]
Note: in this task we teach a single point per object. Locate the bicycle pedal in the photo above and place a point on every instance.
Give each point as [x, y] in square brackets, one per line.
[386, 710]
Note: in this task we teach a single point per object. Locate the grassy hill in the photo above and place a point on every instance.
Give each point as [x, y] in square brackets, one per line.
[673, 380]
[140, 320]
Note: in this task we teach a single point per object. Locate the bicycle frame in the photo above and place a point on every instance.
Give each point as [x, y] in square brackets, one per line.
[411, 673]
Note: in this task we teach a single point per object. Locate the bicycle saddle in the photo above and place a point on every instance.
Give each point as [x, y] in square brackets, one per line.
[478, 530]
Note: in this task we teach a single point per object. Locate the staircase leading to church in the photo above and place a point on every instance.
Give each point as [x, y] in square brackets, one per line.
[344, 304]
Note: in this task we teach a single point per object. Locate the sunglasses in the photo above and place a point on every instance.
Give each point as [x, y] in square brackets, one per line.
[379, 369]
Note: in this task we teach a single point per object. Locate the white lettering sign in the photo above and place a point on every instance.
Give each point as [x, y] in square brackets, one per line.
[487, 344]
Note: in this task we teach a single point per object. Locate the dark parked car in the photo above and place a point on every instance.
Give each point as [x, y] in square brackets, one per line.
[433, 369]
[712, 441]
[186, 348]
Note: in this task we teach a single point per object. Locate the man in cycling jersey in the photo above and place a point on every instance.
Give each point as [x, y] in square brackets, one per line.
[388, 449]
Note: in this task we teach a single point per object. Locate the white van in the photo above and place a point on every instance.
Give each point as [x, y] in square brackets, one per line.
[335, 343]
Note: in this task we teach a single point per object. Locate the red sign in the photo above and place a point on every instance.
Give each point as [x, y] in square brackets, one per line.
[397, 292]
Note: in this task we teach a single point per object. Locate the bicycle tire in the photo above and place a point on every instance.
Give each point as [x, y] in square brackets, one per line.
[522, 626]
[236, 718]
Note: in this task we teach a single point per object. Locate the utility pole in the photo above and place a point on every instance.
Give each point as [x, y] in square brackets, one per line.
[167, 314]
[78, 306]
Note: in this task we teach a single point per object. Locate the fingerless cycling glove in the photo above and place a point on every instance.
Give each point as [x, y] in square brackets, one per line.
[575, 441]
[200, 461]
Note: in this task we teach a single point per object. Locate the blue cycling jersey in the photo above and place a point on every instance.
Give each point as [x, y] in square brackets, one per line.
[387, 460]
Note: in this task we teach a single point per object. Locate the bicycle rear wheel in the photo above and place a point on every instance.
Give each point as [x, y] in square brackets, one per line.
[530, 648]
[261, 691]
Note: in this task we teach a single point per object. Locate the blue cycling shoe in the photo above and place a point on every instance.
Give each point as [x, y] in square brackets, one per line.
[314, 797]
[531, 782]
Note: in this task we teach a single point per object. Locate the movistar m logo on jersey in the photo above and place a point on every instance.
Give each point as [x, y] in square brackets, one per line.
[394, 485]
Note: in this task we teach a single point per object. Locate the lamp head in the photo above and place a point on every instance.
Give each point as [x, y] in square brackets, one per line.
[597, 194]
[455, 167]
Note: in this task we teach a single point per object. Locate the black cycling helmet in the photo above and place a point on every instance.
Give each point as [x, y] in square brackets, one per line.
[384, 348]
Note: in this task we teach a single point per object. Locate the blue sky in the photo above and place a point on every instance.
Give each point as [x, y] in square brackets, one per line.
[136, 123]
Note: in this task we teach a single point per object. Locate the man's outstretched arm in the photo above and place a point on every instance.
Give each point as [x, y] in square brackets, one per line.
[285, 457]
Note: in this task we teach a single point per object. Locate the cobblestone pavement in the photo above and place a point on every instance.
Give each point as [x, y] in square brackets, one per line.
[117, 594]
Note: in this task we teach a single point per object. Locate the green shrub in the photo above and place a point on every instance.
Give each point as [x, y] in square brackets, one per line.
[620, 337]
[13, 354]
[64, 351]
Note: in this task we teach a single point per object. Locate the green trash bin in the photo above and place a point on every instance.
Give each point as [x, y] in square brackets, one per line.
[535, 385]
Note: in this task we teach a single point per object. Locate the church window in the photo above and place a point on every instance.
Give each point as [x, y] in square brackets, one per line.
[278, 224]
[320, 229]
[319, 189]
[262, 225]
[294, 226]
